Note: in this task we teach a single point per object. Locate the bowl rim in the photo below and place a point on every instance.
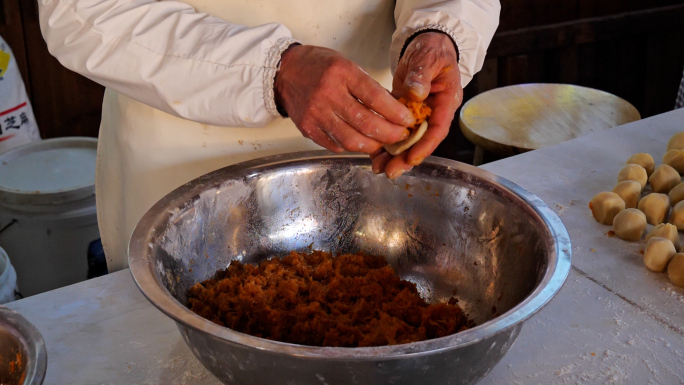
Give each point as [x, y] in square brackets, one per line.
[142, 266]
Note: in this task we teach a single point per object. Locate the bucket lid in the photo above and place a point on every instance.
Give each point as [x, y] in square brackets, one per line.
[49, 172]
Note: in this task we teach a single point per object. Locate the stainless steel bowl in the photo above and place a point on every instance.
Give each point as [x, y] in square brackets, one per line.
[23, 358]
[451, 228]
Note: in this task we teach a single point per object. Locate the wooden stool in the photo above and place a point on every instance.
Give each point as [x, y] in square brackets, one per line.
[519, 118]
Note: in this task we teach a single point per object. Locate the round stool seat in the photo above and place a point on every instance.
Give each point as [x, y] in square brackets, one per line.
[525, 117]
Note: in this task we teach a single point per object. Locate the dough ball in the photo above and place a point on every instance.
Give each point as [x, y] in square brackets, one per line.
[676, 141]
[644, 160]
[667, 231]
[630, 192]
[675, 270]
[658, 253]
[399, 147]
[676, 194]
[677, 216]
[605, 206]
[629, 224]
[675, 158]
[656, 207]
[664, 178]
[633, 172]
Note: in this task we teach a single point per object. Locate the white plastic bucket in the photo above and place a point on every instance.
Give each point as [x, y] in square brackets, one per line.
[47, 197]
[8, 279]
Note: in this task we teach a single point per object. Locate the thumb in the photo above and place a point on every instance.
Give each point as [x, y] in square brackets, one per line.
[418, 80]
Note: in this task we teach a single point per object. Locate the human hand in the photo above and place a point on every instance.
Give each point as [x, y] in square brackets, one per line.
[336, 104]
[427, 71]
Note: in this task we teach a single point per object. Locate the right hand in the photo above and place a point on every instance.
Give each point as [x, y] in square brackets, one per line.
[336, 104]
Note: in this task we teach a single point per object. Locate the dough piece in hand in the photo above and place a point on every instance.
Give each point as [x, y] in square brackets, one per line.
[675, 270]
[633, 172]
[676, 194]
[667, 231]
[658, 253]
[629, 224]
[399, 147]
[605, 206]
[656, 207]
[664, 179]
[677, 216]
[629, 191]
[675, 158]
[676, 141]
[644, 160]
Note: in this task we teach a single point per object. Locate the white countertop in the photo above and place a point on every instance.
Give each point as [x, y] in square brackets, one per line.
[613, 322]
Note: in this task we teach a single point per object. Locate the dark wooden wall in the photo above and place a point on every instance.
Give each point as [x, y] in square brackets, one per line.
[64, 103]
[631, 48]
[634, 49]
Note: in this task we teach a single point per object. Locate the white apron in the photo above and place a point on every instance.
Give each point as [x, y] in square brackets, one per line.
[145, 153]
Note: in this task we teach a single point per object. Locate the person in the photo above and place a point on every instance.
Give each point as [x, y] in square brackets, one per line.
[198, 85]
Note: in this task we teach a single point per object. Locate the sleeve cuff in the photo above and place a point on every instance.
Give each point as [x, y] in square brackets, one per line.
[428, 28]
[271, 68]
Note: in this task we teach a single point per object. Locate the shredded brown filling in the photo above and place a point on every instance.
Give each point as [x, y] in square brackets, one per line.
[420, 111]
[352, 300]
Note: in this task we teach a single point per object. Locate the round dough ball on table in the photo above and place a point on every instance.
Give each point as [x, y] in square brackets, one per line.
[676, 194]
[677, 216]
[605, 206]
[629, 191]
[633, 172]
[664, 179]
[658, 253]
[644, 160]
[675, 159]
[675, 270]
[667, 231]
[676, 141]
[656, 207]
[629, 224]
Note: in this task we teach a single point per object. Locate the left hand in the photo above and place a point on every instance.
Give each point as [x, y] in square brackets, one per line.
[427, 71]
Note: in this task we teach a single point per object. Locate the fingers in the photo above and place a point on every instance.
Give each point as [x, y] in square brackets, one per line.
[396, 166]
[440, 68]
[428, 71]
[444, 107]
[322, 139]
[419, 77]
[348, 138]
[380, 162]
[414, 76]
[376, 98]
[363, 120]
[392, 166]
[337, 105]
[425, 58]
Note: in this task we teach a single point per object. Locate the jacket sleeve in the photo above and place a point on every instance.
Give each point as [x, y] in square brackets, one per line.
[470, 24]
[168, 56]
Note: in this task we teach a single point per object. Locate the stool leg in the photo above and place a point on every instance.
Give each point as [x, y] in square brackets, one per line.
[479, 156]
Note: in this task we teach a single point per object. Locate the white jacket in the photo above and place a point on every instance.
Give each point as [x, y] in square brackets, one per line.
[190, 84]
